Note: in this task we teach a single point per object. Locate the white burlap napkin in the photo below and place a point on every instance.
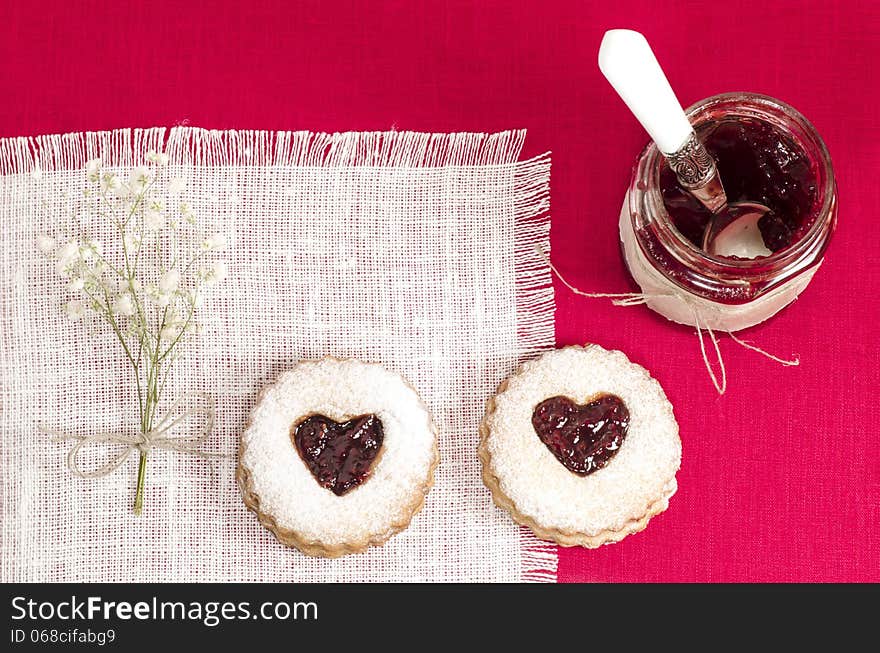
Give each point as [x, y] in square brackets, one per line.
[413, 250]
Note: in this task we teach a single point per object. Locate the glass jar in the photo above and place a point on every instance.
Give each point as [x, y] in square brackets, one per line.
[687, 285]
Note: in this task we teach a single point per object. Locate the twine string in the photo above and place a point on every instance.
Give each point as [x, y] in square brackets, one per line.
[722, 386]
[793, 362]
[159, 437]
[636, 299]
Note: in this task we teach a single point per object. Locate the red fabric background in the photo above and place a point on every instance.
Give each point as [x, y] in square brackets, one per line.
[780, 478]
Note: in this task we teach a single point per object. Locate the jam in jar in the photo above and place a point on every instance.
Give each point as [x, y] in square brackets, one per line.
[766, 152]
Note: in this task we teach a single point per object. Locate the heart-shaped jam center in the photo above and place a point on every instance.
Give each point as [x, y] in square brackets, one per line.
[339, 454]
[583, 437]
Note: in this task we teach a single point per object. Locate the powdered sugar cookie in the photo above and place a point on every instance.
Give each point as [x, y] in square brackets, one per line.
[581, 446]
[338, 456]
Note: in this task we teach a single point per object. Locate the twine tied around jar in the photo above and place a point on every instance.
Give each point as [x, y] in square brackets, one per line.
[159, 437]
[700, 325]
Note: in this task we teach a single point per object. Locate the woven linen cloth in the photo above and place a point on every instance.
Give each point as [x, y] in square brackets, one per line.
[409, 249]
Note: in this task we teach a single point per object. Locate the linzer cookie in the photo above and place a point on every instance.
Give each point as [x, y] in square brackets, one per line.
[338, 456]
[581, 446]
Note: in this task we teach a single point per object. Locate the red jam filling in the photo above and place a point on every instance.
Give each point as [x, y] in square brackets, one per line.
[583, 437]
[757, 163]
[339, 455]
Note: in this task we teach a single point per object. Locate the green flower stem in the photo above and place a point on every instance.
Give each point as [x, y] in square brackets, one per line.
[149, 407]
[139, 495]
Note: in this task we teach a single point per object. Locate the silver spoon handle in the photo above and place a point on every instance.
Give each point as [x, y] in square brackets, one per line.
[696, 171]
[629, 64]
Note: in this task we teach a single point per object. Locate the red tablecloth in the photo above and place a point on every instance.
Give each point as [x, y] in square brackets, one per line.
[780, 478]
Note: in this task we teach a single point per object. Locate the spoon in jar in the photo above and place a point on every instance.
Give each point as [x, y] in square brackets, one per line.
[626, 60]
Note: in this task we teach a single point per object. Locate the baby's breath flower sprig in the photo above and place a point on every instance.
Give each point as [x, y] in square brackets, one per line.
[149, 283]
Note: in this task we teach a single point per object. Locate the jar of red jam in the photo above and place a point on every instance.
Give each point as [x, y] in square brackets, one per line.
[766, 152]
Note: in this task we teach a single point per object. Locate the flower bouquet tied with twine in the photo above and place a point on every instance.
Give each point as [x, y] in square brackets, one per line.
[147, 286]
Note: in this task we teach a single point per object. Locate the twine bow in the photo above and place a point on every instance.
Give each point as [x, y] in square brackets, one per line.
[159, 437]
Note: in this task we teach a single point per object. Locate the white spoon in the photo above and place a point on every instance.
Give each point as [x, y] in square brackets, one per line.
[626, 60]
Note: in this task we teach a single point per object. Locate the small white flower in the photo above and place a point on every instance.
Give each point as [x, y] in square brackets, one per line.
[220, 271]
[170, 281]
[169, 333]
[159, 158]
[93, 169]
[214, 242]
[155, 295]
[187, 212]
[110, 182]
[177, 185]
[121, 191]
[124, 286]
[76, 284]
[124, 305]
[193, 297]
[91, 250]
[139, 179]
[68, 253]
[65, 268]
[216, 273]
[75, 309]
[160, 299]
[131, 241]
[153, 220]
[45, 244]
